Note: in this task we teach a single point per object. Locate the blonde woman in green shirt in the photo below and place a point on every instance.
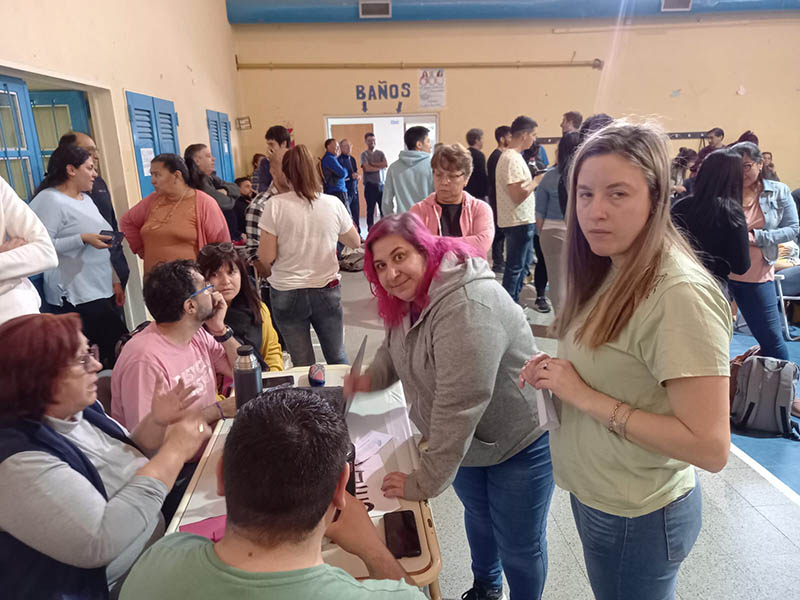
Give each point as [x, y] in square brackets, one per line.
[641, 377]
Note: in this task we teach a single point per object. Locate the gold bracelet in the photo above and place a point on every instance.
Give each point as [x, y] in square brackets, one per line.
[612, 421]
[624, 427]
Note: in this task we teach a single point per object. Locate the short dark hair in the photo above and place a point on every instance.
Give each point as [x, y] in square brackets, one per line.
[594, 123]
[748, 136]
[68, 139]
[414, 135]
[501, 132]
[574, 117]
[173, 163]
[281, 464]
[241, 180]
[369, 134]
[166, 287]
[474, 135]
[523, 124]
[328, 141]
[278, 133]
[716, 131]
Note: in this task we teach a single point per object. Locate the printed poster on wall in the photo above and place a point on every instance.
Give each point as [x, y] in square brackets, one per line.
[431, 88]
[148, 154]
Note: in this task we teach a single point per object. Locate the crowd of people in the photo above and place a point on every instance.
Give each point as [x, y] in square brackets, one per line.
[643, 257]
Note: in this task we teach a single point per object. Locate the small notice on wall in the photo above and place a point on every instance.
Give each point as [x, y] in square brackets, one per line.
[431, 88]
[148, 154]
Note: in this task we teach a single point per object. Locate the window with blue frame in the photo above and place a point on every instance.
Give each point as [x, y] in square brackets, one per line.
[20, 158]
[219, 134]
[56, 112]
[154, 125]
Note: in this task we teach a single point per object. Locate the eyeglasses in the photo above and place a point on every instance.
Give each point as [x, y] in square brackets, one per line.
[85, 360]
[210, 249]
[210, 286]
[447, 176]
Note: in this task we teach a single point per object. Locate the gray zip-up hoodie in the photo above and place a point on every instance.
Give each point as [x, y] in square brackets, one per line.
[409, 179]
[459, 364]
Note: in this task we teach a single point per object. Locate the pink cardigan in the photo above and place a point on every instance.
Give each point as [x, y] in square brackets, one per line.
[211, 225]
[477, 225]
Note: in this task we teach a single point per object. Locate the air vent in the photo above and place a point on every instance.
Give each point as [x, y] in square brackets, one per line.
[676, 5]
[375, 9]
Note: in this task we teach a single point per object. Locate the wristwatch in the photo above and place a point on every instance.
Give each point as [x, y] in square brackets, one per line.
[225, 336]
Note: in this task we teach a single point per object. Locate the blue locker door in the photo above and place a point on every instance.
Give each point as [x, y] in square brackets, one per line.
[212, 118]
[225, 140]
[219, 135]
[20, 158]
[145, 137]
[167, 126]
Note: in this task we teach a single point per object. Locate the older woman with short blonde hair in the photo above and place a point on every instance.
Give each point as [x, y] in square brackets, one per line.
[450, 211]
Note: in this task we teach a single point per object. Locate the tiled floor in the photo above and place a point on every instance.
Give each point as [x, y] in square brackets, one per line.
[749, 547]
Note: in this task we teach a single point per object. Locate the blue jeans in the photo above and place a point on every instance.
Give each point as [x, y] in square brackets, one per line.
[519, 255]
[759, 305]
[505, 515]
[631, 559]
[295, 310]
[355, 208]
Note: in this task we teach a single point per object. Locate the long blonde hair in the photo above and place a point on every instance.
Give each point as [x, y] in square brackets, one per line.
[644, 146]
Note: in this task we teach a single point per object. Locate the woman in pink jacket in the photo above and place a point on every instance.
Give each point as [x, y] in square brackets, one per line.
[450, 211]
[176, 220]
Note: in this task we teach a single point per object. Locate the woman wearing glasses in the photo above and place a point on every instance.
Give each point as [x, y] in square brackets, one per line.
[81, 496]
[248, 317]
[176, 220]
[299, 231]
[771, 219]
[450, 211]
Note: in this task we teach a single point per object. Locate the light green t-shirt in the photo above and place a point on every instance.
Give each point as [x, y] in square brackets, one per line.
[183, 566]
[682, 329]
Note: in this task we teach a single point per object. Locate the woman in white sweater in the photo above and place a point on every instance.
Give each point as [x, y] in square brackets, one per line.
[25, 250]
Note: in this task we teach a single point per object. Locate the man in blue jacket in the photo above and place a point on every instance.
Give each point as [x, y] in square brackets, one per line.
[333, 173]
[347, 160]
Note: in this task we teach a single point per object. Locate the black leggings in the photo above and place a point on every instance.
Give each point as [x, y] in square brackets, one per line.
[102, 325]
[540, 272]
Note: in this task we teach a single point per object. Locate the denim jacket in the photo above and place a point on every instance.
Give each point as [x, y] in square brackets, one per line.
[780, 219]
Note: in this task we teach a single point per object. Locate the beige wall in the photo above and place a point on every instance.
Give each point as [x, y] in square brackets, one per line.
[181, 50]
[685, 73]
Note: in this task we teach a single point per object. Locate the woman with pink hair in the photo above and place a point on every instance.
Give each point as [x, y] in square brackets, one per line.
[457, 342]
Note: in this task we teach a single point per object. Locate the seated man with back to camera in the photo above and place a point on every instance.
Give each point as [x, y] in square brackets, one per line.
[188, 341]
[276, 518]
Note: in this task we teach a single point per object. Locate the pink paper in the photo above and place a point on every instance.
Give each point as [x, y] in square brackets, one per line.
[212, 528]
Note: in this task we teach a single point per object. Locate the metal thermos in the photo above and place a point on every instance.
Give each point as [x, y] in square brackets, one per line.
[246, 376]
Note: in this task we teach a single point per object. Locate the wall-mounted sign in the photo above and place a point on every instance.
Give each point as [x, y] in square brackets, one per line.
[383, 90]
[431, 88]
[243, 123]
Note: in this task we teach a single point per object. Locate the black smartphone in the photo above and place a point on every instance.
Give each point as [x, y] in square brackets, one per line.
[402, 538]
[116, 236]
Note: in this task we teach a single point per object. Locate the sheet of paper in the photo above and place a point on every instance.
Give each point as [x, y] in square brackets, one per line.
[369, 477]
[369, 445]
[548, 417]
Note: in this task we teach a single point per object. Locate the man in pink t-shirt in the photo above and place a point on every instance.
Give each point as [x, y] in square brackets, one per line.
[188, 341]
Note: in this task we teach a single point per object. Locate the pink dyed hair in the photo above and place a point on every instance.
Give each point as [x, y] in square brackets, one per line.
[432, 247]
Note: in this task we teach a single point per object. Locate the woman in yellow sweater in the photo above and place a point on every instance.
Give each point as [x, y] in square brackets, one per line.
[247, 316]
